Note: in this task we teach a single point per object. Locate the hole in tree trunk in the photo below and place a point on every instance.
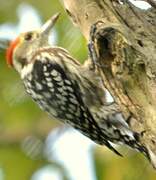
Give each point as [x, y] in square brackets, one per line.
[140, 43]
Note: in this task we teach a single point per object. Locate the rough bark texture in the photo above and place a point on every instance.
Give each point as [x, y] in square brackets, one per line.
[127, 56]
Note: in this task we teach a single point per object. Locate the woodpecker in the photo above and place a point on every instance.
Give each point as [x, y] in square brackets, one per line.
[69, 91]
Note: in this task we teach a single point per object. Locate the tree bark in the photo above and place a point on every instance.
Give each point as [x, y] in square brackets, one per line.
[125, 41]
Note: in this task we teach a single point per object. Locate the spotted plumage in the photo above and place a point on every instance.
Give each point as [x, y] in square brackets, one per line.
[61, 96]
[67, 90]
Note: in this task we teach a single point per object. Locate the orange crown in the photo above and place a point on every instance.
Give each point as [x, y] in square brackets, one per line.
[10, 50]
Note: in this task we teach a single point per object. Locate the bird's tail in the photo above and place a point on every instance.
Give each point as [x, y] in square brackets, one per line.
[116, 130]
[145, 150]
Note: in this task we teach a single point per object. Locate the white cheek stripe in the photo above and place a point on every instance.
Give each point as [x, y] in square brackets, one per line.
[26, 70]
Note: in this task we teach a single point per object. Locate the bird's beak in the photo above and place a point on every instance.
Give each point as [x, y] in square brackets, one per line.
[47, 27]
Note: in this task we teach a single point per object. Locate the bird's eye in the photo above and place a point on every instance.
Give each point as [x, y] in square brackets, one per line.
[28, 36]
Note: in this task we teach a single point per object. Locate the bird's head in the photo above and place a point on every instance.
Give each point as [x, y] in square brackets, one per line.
[22, 49]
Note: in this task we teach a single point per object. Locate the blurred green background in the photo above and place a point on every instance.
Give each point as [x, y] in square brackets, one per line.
[25, 129]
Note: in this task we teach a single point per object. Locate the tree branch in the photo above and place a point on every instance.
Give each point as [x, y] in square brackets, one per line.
[126, 54]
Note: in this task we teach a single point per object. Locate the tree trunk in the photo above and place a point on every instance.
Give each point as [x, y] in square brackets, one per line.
[125, 42]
